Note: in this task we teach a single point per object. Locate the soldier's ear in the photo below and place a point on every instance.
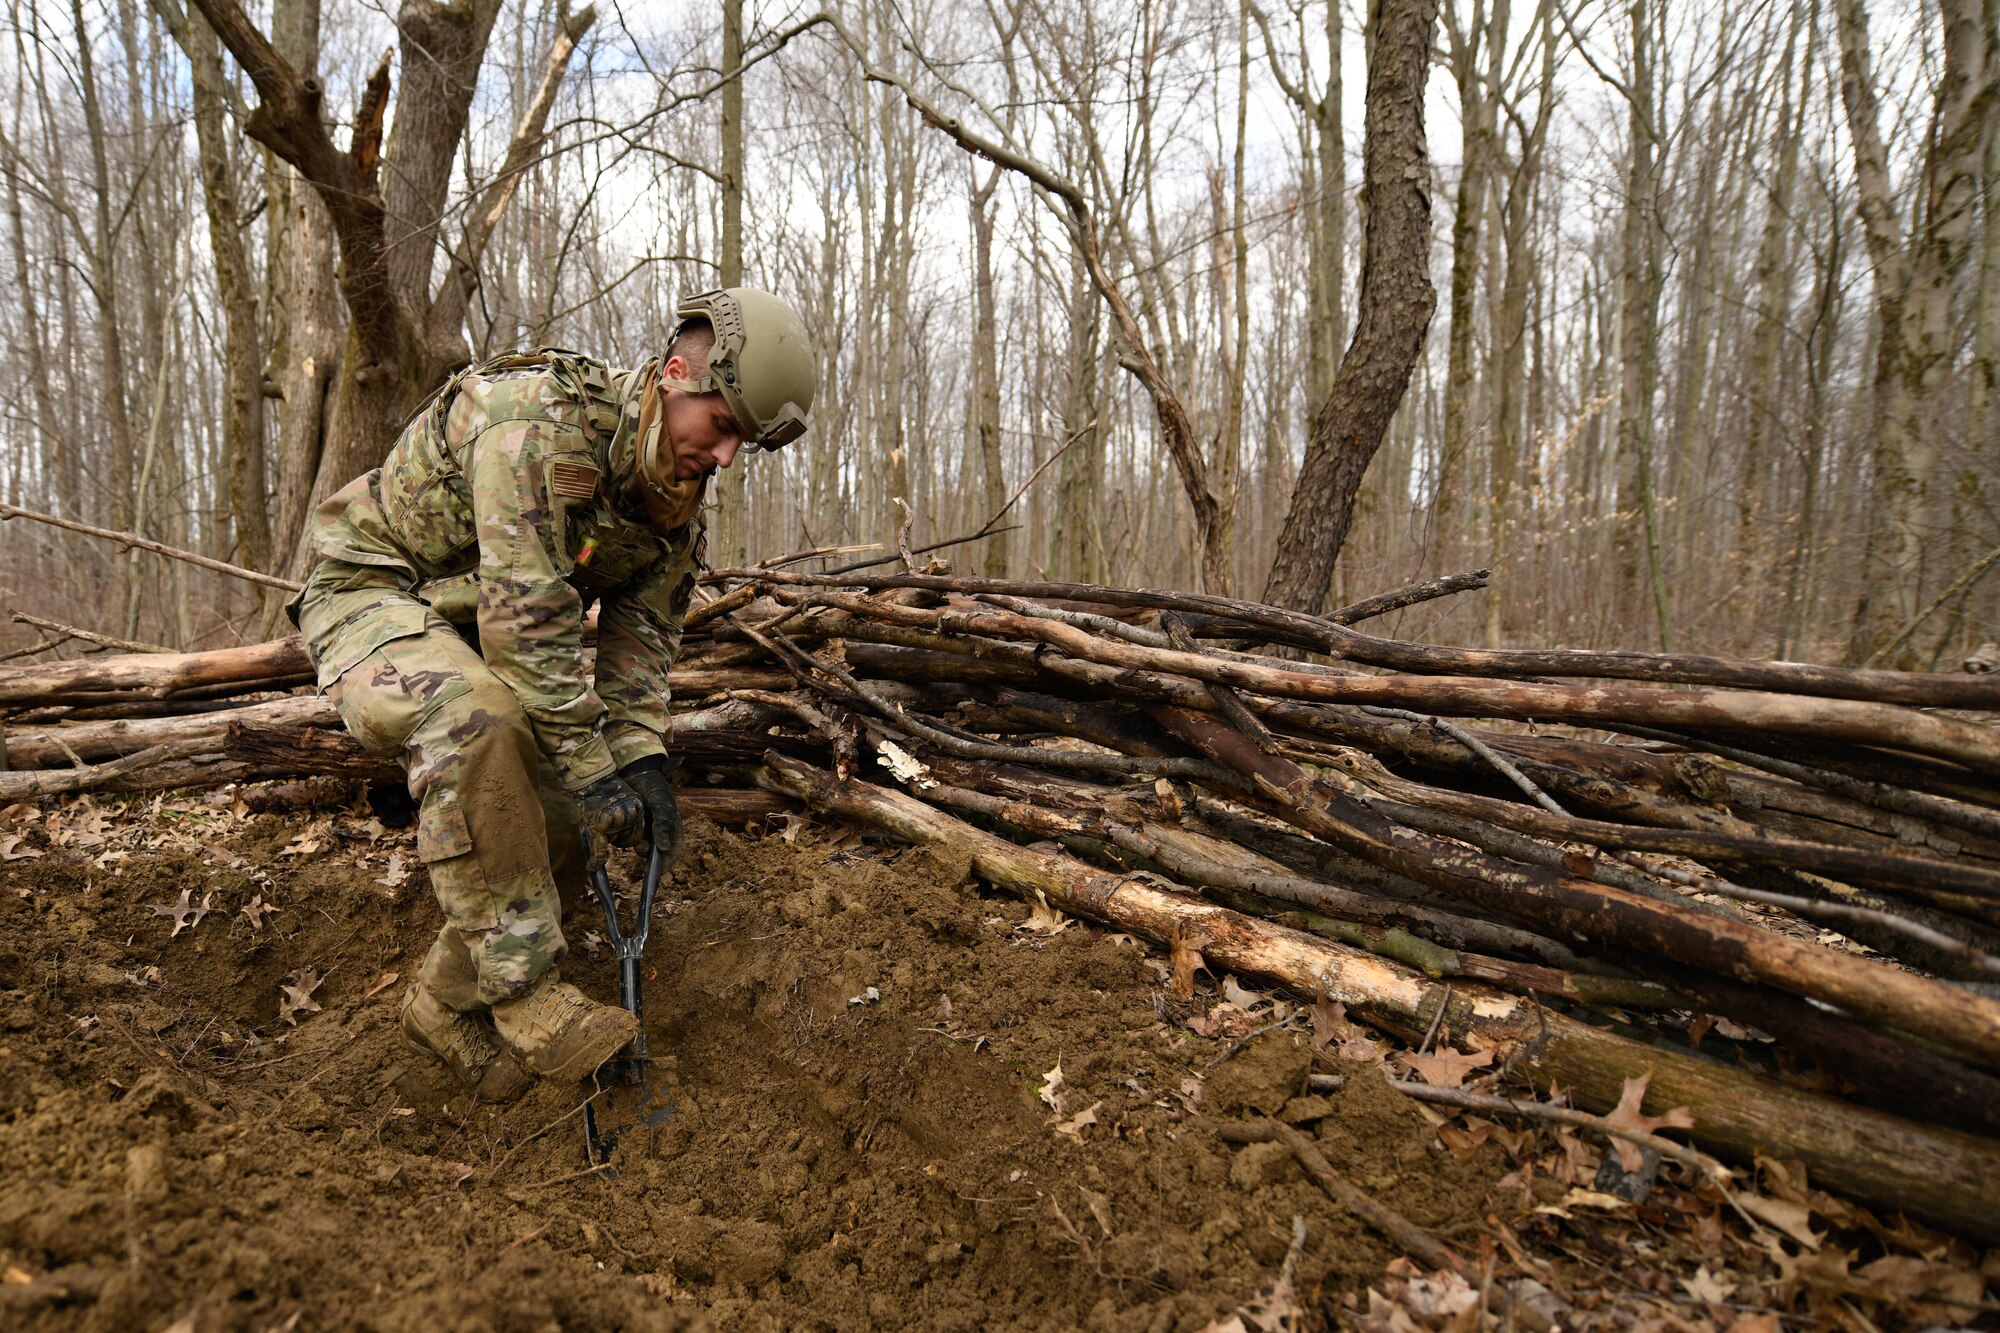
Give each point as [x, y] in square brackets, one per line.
[676, 367]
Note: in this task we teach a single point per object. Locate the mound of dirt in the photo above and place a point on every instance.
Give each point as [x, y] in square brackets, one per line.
[895, 1102]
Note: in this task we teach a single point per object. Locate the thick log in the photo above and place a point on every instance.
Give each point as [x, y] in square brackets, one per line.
[735, 806]
[254, 666]
[94, 741]
[1949, 1178]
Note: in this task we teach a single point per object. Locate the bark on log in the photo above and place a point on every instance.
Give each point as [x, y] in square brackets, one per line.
[1632, 926]
[1915, 689]
[94, 741]
[157, 675]
[1467, 696]
[1948, 1178]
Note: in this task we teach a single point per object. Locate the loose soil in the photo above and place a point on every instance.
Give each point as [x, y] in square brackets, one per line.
[171, 1150]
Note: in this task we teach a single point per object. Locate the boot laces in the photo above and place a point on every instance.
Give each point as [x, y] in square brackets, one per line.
[557, 1005]
[465, 1043]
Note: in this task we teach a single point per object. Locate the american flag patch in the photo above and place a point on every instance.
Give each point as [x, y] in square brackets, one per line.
[576, 481]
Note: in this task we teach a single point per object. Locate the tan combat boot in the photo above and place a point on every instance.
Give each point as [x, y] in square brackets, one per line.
[466, 1045]
[557, 1031]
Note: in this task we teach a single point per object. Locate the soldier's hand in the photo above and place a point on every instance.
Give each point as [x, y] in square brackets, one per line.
[612, 814]
[648, 777]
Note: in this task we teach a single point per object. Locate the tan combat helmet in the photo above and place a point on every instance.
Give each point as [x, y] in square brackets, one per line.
[762, 363]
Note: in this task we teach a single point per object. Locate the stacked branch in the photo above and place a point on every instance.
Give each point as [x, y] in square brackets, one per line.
[1516, 849]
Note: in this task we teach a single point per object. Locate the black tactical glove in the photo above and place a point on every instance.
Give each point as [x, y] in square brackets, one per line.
[648, 777]
[612, 814]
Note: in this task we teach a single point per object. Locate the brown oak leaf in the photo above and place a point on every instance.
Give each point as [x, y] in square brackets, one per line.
[296, 991]
[1628, 1117]
[184, 911]
[1446, 1068]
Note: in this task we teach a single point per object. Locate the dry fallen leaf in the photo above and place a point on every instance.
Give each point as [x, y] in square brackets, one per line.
[1241, 997]
[1628, 1117]
[1583, 1198]
[396, 873]
[12, 850]
[1446, 1068]
[255, 911]
[183, 911]
[1100, 1208]
[1044, 919]
[1052, 1088]
[1794, 1219]
[380, 984]
[1935, 1294]
[1074, 1126]
[296, 991]
[1705, 1286]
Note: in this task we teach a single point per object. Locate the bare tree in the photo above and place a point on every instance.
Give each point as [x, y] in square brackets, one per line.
[1916, 270]
[1396, 302]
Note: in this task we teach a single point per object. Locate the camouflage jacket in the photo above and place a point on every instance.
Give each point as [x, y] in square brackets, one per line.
[509, 502]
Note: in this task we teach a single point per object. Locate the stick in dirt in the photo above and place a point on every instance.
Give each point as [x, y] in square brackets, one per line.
[1386, 1220]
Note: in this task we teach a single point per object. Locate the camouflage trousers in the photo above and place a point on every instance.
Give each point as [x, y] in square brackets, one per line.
[494, 827]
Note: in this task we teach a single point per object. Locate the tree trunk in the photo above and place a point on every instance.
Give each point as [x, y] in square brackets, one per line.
[243, 371]
[1914, 277]
[1638, 546]
[100, 249]
[1080, 483]
[986, 371]
[1476, 115]
[1397, 299]
[730, 531]
[1764, 400]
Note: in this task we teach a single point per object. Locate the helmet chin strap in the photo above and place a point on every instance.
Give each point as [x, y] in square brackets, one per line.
[671, 503]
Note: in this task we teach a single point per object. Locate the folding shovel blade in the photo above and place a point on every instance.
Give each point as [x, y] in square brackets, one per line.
[624, 1113]
[621, 1096]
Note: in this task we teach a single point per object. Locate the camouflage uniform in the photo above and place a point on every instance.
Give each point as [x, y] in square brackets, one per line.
[506, 506]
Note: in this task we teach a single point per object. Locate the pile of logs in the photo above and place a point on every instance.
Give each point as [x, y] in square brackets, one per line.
[1578, 860]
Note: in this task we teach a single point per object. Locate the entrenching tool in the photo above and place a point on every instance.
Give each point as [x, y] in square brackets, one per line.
[649, 1105]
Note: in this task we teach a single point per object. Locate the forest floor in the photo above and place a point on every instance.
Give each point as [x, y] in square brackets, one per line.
[897, 1101]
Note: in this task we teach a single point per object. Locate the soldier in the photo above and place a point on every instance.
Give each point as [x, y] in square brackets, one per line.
[445, 622]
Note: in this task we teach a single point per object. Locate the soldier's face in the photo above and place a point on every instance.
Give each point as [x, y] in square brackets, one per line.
[703, 431]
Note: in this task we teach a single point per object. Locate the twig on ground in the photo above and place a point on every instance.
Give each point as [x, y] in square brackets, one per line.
[597, 1170]
[1386, 1220]
[1467, 1100]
